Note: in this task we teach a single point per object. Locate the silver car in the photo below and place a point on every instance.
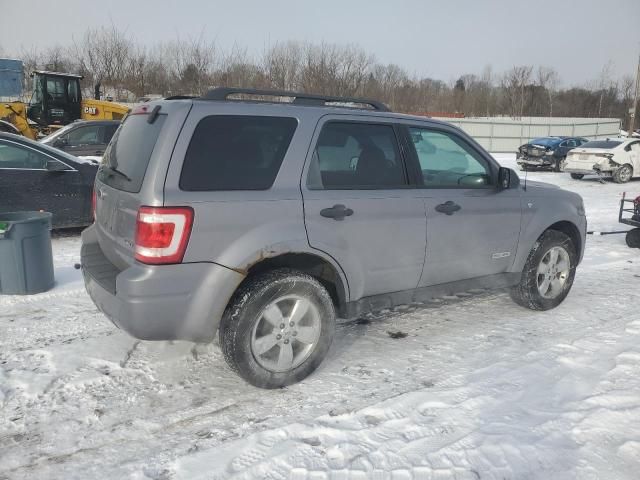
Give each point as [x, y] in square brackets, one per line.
[261, 221]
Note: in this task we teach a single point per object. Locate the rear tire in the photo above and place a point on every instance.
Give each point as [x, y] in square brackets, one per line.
[277, 328]
[577, 176]
[546, 282]
[623, 174]
[633, 238]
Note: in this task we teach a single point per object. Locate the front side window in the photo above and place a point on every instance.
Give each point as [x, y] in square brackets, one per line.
[84, 136]
[236, 152]
[352, 156]
[446, 161]
[16, 157]
[571, 143]
[55, 88]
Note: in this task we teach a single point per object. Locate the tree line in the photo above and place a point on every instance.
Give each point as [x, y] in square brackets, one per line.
[109, 56]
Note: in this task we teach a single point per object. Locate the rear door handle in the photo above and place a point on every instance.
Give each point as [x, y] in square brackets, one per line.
[337, 212]
[448, 208]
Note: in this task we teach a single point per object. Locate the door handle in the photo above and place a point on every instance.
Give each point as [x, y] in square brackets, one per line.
[337, 212]
[448, 208]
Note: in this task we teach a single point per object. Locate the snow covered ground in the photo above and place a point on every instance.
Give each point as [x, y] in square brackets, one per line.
[478, 389]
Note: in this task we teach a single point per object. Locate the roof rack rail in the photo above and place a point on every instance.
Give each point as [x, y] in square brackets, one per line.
[222, 94]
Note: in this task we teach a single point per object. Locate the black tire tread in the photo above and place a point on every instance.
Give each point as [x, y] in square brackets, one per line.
[230, 336]
[526, 292]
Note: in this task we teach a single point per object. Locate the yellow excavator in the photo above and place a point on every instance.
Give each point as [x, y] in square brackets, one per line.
[56, 100]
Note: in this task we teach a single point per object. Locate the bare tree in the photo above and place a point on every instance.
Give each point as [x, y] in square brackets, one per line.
[514, 84]
[548, 80]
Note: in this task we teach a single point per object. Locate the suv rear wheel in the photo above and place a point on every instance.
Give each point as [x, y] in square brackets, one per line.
[548, 273]
[277, 328]
[577, 176]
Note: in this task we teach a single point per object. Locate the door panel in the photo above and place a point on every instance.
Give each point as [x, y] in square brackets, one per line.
[472, 227]
[358, 208]
[26, 184]
[380, 247]
[478, 239]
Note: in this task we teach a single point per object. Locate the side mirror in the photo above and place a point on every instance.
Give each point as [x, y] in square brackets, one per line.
[53, 166]
[61, 142]
[507, 178]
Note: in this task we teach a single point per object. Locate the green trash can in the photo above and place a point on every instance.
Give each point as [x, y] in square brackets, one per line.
[26, 261]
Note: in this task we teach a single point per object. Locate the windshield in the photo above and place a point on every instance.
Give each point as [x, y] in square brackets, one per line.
[602, 144]
[545, 141]
[129, 152]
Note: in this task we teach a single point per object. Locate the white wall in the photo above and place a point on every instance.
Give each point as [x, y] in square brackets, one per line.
[503, 134]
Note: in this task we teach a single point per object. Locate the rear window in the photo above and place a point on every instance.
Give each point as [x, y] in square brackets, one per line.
[232, 152]
[126, 158]
[546, 141]
[601, 144]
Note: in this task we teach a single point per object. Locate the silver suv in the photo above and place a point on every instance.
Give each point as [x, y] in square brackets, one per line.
[263, 220]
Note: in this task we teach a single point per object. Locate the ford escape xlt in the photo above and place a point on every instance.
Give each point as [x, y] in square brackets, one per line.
[262, 221]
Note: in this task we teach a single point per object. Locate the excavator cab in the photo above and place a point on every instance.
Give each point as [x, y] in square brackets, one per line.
[56, 98]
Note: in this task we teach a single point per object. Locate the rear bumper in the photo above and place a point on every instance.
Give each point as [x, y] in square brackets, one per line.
[162, 302]
[587, 167]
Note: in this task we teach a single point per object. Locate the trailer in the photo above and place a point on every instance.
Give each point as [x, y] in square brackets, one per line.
[630, 215]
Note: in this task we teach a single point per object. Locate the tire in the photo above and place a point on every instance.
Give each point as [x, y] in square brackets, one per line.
[577, 176]
[524, 167]
[528, 292]
[557, 164]
[246, 328]
[623, 174]
[633, 238]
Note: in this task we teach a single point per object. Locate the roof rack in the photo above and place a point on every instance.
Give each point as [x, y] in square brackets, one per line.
[222, 94]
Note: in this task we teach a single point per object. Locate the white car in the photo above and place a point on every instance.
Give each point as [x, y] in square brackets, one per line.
[618, 158]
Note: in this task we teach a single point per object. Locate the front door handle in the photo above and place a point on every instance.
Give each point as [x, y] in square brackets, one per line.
[448, 207]
[337, 212]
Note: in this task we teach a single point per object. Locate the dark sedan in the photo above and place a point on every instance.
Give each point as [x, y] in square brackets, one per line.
[83, 137]
[38, 177]
[546, 152]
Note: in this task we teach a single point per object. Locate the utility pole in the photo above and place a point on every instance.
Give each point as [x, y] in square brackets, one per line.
[632, 118]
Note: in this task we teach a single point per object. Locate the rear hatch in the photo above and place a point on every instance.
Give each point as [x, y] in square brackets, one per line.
[132, 174]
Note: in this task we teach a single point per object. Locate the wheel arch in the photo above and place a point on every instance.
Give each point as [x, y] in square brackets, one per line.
[315, 265]
[567, 227]
[570, 230]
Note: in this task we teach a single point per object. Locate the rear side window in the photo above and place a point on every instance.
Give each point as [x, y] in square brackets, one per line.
[233, 152]
[353, 156]
[126, 158]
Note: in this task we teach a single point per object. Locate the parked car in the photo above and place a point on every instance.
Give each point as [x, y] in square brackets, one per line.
[546, 152]
[262, 221]
[83, 137]
[618, 158]
[34, 176]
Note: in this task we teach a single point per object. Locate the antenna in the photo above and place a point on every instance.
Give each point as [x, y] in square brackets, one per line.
[526, 171]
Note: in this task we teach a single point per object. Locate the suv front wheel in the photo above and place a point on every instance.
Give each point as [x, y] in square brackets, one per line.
[277, 328]
[548, 273]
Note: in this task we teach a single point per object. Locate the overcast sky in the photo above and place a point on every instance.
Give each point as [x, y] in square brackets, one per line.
[438, 38]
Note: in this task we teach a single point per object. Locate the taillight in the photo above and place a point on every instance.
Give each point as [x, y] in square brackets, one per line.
[93, 204]
[162, 234]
